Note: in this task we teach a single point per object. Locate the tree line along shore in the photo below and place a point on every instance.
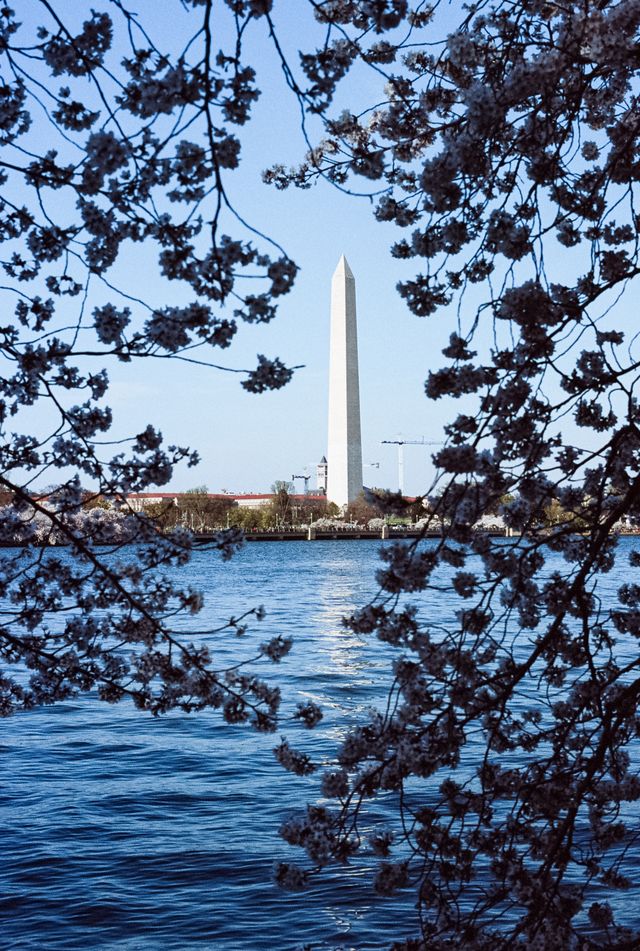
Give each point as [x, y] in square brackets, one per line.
[282, 516]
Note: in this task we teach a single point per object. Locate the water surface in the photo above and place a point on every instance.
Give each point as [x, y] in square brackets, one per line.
[125, 832]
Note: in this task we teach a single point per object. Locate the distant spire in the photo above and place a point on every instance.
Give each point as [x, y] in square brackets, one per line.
[343, 267]
[344, 481]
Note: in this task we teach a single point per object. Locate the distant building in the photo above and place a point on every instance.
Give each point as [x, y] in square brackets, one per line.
[138, 500]
[321, 476]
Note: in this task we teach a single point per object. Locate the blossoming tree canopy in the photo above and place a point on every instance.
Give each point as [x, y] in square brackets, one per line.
[506, 149]
[115, 146]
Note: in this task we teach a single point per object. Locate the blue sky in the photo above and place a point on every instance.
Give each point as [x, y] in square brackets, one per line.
[246, 442]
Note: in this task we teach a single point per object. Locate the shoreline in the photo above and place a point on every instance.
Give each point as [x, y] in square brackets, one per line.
[298, 535]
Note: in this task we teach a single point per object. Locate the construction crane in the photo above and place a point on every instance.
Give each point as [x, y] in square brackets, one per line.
[401, 443]
[306, 481]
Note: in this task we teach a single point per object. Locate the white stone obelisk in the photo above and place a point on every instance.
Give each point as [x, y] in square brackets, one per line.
[344, 478]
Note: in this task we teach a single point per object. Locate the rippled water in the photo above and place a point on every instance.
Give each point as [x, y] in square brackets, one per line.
[125, 832]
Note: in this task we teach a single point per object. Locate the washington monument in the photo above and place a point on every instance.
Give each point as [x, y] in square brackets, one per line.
[344, 480]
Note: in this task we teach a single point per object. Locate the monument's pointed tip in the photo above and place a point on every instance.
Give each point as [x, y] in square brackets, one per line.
[343, 267]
